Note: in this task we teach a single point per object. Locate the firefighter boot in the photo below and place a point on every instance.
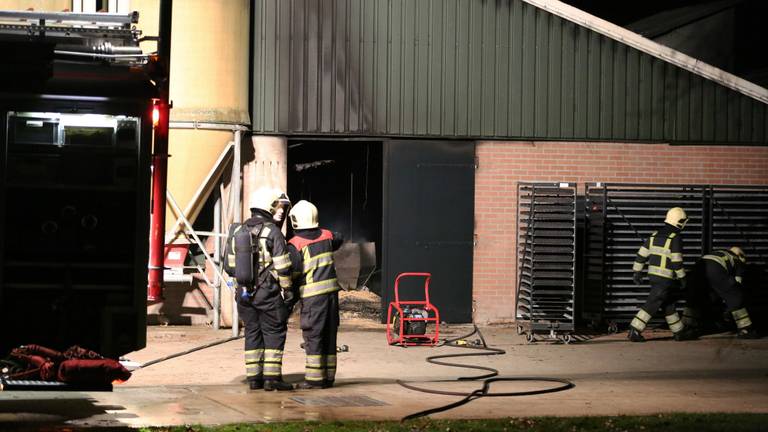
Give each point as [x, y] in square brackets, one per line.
[276, 385]
[685, 334]
[255, 384]
[747, 333]
[634, 335]
[309, 385]
[328, 383]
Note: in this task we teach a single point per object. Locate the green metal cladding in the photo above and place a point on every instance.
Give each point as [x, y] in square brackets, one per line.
[475, 69]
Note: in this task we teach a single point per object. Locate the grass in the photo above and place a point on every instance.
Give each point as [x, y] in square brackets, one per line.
[653, 423]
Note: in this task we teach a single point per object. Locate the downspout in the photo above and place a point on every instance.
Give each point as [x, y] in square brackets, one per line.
[160, 161]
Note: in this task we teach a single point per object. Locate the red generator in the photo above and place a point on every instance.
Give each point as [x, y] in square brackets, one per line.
[407, 320]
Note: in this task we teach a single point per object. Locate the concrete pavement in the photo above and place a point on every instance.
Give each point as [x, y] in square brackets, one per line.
[716, 374]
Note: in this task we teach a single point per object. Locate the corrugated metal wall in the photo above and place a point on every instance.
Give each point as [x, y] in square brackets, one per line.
[475, 68]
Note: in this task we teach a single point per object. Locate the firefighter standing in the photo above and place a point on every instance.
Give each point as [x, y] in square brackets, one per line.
[311, 250]
[663, 251]
[282, 209]
[720, 272]
[263, 307]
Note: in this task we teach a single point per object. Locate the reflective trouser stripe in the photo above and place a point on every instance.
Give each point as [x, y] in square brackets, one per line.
[640, 320]
[253, 362]
[741, 316]
[674, 323]
[314, 370]
[273, 362]
[330, 367]
[637, 266]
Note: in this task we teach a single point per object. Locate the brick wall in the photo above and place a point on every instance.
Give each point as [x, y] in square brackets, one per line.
[503, 164]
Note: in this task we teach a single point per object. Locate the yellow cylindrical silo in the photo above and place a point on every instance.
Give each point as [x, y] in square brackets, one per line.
[208, 84]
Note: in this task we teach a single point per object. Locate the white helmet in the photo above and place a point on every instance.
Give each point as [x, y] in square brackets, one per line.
[676, 217]
[739, 253]
[264, 198]
[303, 215]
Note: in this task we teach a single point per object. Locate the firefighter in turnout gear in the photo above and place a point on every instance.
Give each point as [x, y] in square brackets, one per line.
[262, 307]
[311, 250]
[719, 274]
[281, 209]
[663, 252]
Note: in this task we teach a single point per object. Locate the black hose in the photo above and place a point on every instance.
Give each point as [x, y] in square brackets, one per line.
[488, 379]
[191, 350]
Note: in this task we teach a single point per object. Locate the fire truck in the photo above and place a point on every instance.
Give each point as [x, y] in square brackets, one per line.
[77, 97]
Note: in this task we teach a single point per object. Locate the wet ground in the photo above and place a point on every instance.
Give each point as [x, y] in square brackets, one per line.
[612, 376]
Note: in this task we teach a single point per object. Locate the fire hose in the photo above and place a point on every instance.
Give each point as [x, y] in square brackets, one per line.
[488, 378]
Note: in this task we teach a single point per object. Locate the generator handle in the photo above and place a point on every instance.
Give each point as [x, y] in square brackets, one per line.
[427, 277]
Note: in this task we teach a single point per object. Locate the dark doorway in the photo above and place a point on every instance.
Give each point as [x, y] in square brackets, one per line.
[429, 190]
[344, 180]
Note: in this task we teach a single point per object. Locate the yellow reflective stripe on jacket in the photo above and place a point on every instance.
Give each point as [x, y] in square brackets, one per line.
[282, 261]
[718, 259]
[284, 281]
[663, 272]
[643, 252]
[676, 257]
[323, 259]
[637, 266]
[317, 288]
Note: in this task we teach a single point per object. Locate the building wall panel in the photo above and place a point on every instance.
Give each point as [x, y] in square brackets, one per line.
[503, 164]
[499, 69]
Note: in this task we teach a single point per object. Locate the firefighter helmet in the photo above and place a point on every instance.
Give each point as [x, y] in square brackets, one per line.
[303, 215]
[264, 198]
[739, 253]
[676, 217]
[282, 206]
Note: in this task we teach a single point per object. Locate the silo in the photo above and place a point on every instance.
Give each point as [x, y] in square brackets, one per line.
[208, 89]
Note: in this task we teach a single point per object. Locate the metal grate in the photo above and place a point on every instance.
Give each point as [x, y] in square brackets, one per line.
[619, 216]
[739, 217]
[546, 228]
[338, 401]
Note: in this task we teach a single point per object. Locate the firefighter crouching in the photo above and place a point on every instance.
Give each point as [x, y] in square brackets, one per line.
[262, 306]
[663, 252]
[719, 273]
[311, 250]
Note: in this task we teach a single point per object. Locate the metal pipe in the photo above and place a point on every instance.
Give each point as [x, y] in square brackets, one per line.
[237, 215]
[131, 18]
[208, 126]
[217, 281]
[160, 161]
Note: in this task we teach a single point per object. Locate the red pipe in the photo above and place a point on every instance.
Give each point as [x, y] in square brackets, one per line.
[159, 183]
[160, 118]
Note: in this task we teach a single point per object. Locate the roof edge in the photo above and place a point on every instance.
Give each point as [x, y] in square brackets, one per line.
[650, 47]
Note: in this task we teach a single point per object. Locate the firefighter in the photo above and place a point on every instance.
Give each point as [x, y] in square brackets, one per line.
[311, 250]
[663, 251]
[282, 209]
[720, 273]
[263, 306]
